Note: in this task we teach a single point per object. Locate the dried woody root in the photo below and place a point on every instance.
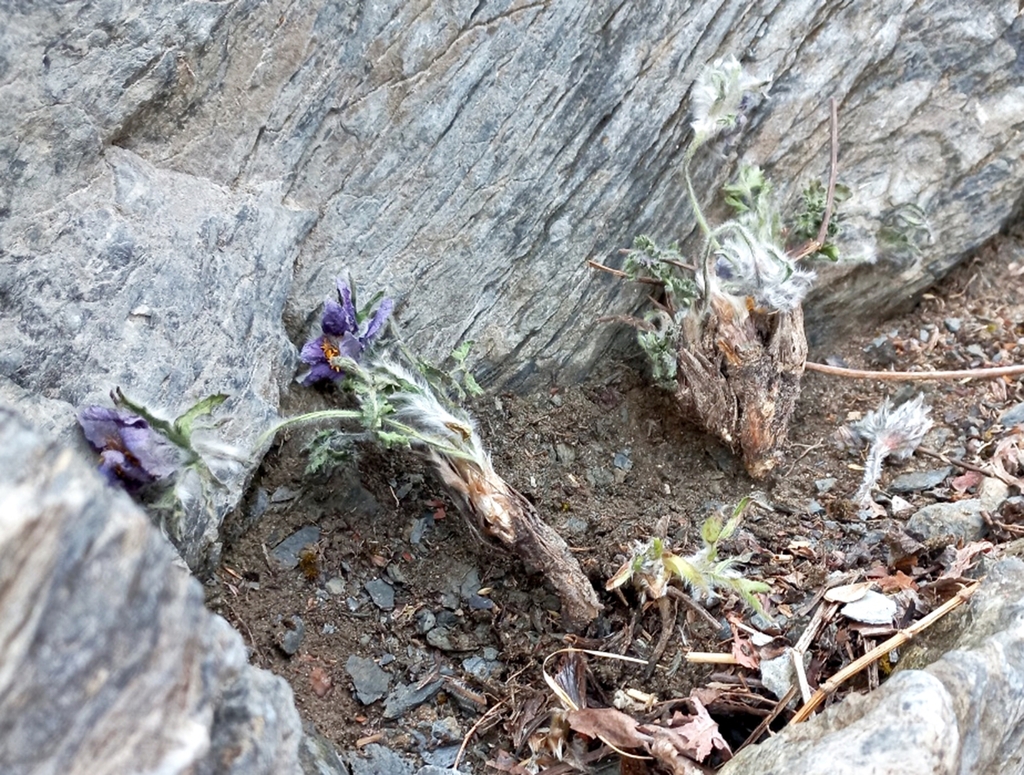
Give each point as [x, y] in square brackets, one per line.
[503, 513]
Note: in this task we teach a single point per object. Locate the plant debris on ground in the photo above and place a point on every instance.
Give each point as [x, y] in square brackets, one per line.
[363, 587]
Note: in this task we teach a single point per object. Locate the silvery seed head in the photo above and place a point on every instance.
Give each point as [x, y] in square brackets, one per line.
[718, 97]
[890, 432]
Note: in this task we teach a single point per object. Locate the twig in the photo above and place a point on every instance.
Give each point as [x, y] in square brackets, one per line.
[805, 453]
[813, 246]
[821, 617]
[711, 658]
[689, 602]
[767, 720]
[472, 730]
[883, 648]
[668, 624]
[797, 658]
[991, 471]
[915, 376]
[620, 274]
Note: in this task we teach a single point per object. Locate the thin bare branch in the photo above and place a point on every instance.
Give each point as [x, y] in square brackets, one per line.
[622, 275]
[916, 376]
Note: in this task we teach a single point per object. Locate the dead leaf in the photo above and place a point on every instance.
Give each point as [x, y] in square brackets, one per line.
[743, 650]
[847, 593]
[663, 750]
[695, 736]
[896, 582]
[966, 481]
[610, 725]
[962, 559]
[320, 681]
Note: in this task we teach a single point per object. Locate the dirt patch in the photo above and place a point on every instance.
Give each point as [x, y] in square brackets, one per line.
[394, 577]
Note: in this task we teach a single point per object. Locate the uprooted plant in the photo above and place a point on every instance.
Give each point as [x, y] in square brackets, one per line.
[652, 567]
[400, 402]
[726, 334]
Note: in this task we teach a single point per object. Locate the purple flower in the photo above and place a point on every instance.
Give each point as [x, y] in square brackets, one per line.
[344, 334]
[131, 452]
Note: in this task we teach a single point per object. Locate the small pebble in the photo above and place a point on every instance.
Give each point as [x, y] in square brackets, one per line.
[289, 639]
[286, 553]
[425, 621]
[371, 683]
[952, 324]
[381, 593]
[336, 586]
[824, 485]
[439, 639]
[1012, 416]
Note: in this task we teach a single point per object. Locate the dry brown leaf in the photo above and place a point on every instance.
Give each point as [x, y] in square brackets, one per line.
[743, 650]
[963, 559]
[966, 481]
[663, 750]
[610, 725]
[695, 736]
[847, 593]
[320, 681]
[896, 582]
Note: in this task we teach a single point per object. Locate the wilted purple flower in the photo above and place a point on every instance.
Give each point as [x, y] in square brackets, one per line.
[343, 335]
[131, 452]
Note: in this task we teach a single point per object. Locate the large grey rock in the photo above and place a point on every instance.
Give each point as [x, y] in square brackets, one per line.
[111, 664]
[167, 165]
[962, 713]
[167, 285]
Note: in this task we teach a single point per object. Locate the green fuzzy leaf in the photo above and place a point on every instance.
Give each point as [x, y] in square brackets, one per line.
[391, 439]
[461, 352]
[472, 386]
[186, 421]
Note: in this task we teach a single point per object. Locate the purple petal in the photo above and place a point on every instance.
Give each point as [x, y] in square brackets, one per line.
[154, 454]
[129, 448]
[321, 371]
[118, 469]
[102, 426]
[351, 322]
[376, 322]
[313, 352]
[335, 321]
[350, 347]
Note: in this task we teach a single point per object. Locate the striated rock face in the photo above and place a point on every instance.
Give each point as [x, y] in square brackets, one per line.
[184, 180]
[962, 713]
[111, 664]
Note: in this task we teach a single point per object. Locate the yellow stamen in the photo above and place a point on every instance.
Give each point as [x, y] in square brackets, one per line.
[330, 353]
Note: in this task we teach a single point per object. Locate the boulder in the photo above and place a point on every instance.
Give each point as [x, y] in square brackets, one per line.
[111, 663]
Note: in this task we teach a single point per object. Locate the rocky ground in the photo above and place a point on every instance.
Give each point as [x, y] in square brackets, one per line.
[397, 629]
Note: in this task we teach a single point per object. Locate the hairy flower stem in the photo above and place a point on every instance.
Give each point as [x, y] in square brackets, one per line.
[710, 242]
[872, 473]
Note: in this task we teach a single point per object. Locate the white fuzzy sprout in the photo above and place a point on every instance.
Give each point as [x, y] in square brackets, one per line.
[891, 432]
[717, 96]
